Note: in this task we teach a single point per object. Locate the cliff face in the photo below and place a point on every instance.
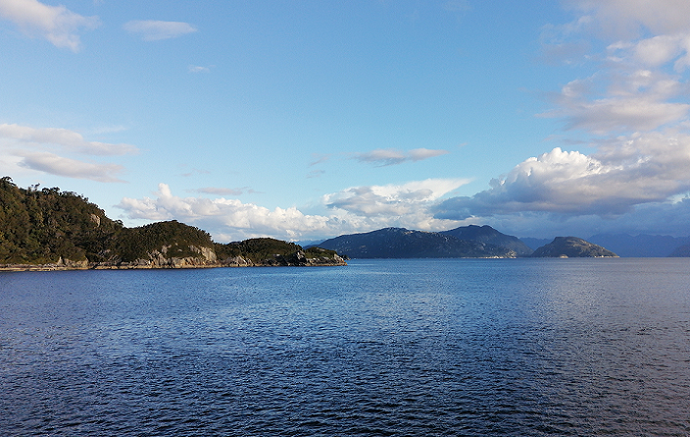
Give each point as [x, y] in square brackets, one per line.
[572, 247]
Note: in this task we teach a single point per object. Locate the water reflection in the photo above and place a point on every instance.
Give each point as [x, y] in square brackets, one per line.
[381, 347]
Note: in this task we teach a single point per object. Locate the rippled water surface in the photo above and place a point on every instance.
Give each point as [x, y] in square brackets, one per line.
[380, 347]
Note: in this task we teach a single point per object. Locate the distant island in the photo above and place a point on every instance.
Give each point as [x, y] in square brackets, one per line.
[463, 242]
[572, 247]
[48, 229]
[484, 242]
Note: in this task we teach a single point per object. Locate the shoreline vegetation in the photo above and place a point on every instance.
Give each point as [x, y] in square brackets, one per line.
[48, 229]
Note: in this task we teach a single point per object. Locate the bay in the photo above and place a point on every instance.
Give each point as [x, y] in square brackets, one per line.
[379, 347]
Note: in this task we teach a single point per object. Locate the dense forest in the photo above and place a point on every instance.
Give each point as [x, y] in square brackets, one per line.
[50, 226]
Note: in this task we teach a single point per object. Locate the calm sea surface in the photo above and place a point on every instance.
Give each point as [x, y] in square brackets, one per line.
[380, 347]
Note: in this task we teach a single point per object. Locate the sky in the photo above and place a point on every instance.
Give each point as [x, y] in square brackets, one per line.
[305, 120]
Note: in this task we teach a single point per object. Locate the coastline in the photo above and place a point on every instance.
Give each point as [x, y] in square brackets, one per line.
[175, 263]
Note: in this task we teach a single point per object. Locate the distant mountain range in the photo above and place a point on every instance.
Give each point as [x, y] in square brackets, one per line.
[641, 245]
[463, 242]
[490, 236]
[404, 243]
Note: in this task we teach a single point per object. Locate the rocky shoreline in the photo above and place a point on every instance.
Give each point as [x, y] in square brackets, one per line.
[298, 259]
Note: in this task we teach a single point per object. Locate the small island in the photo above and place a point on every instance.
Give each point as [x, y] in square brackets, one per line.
[572, 247]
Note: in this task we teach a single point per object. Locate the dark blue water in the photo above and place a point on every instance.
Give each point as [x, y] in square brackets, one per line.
[380, 347]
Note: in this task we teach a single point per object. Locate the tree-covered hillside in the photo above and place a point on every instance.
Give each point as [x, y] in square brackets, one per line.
[49, 226]
[42, 225]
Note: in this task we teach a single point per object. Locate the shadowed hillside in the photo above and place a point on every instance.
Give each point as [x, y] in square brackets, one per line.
[404, 243]
[572, 247]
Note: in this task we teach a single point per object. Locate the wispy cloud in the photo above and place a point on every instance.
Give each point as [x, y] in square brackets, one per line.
[64, 138]
[386, 157]
[43, 149]
[318, 158]
[71, 168]
[198, 69]
[457, 6]
[152, 30]
[56, 24]
[225, 191]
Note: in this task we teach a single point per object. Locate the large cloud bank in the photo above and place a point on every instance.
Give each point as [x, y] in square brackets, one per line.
[633, 114]
[355, 209]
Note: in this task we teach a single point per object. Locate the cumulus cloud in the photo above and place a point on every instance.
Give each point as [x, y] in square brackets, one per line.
[153, 30]
[226, 218]
[632, 113]
[391, 200]
[56, 24]
[641, 79]
[231, 219]
[71, 168]
[627, 171]
[386, 157]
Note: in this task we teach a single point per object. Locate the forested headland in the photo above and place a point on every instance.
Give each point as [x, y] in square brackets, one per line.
[46, 228]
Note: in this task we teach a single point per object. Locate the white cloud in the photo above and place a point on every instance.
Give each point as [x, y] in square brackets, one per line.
[223, 191]
[231, 220]
[152, 30]
[616, 114]
[627, 18]
[64, 138]
[42, 149]
[641, 83]
[632, 113]
[54, 23]
[198, 69]
[626, 171]
[385, 157]
[226, 217]
[391, 200]
[71, 168]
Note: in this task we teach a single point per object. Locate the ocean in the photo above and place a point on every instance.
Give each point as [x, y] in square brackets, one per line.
[425, 347]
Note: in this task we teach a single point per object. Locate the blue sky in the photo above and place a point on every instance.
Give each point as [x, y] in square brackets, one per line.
[311, 119]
